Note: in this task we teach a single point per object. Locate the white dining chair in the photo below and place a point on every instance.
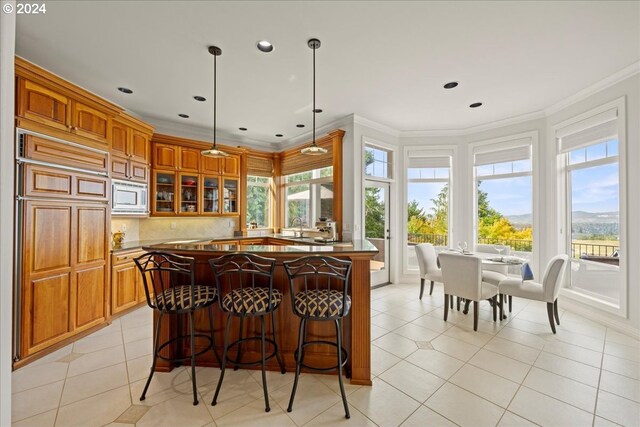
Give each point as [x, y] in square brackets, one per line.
[428, 264]
[494, 274]
[462, 277]
[547, 291]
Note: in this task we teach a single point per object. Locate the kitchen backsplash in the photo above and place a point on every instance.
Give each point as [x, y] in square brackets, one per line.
[174, 228]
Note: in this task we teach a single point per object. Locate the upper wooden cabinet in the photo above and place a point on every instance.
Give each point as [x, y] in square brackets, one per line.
[128, 142]
[229, 166]
[189, 159]
[88, 121]
[166, 156]
[43, 105]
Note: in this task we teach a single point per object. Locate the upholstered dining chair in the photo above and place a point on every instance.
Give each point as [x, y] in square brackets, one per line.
[428, 264]
[547, 291]
[494, 274]
[462, 277]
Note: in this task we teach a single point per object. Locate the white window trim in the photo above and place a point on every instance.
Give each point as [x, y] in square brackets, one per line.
[622, 309]
[499, 144]
[425, 151]
[314, 198]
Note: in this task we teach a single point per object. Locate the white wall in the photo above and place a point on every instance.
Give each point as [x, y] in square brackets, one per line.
[7, 52]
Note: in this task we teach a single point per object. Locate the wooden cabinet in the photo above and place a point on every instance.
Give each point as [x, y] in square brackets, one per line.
[43, 105]
[127, 285]
[189, 159]
[164, 197]
[45, 181]
[231, 198]
[129, 152]
[63, 271]
[210, 195]
[229, 166]
[88, 121]
[50, 151]
[166, 156]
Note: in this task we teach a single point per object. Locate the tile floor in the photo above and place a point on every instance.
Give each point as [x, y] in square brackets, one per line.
[426, 372]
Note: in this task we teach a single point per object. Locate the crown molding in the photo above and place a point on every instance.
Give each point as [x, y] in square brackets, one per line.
[613, 79]
[324, 129]
[375, 125]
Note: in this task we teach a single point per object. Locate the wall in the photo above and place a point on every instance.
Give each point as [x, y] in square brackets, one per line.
[7, 52]
[187, 228]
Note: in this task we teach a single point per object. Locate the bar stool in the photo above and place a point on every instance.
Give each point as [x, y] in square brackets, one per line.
[323, 284]
[249, 280]
[169, 286]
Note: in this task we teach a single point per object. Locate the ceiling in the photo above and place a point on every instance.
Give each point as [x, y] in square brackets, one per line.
[385, 61]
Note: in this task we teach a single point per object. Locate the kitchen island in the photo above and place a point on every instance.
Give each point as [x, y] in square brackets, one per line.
[356, 326]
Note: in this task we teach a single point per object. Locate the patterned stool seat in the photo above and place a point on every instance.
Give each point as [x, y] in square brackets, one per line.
[321, 303]
[251, 300]
[179, 297]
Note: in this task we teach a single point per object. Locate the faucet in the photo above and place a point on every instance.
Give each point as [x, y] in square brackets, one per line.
[300, 223]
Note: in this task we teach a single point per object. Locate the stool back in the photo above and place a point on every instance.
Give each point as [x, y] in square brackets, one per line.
[319, 276]
[163, 275]
[248, 280]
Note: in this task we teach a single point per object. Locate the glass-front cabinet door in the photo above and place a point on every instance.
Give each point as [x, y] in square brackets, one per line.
[188, 194]
[230, 200]
[210, 195]
[164, 199]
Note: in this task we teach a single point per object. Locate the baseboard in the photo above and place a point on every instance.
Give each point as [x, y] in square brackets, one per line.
[595, 315]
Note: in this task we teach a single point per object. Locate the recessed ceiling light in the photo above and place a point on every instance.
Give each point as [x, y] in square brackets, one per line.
[264, 46]
[243, 129]
[300, 125]
[451, 85]
[279, 135]
[199, 98]
[184, 116]
[125, 90]
[475, 105]
[317, 110]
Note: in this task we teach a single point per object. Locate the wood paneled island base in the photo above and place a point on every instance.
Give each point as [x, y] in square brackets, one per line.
[356, 326]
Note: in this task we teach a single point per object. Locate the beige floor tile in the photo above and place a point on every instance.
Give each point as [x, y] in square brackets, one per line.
[335, 416]
[433, 323]
[513, 350]
[377, 332]
[485, 384]
[396, 344]
[620, 385]
[625, 367]
[469, 336]
[464, 408]
[331, 381]
[93, 343]
[111, 329]
[530, 327]
[416, 333]
[435, 362]
[164, 386]
[96, 360]
[136, 349]
[35, 400]
[381, 360]
[46, 419]
[573, 352]
[509, 419]
[454, 348]
[387, 322]
[581, 325]
[139, 368]
[569, 337]
[238, 389]
[623, 351]
[547, 411]
[426, 417]
[136, 318]
[253, 414]
[132, 414]
[95, 382]
[383, 404]
[500, 365]
[138, 333]
[275, 380]
[178, 411]
[562, 388]
[423, 306]
[521, 337]
[31, 376]
[601, 422]
[412, 380]
[53, 357]
[535, 317]
[568, 368]
[618, 409]
[620, 338]
[403, 313]
[95, 411]
[312, 399]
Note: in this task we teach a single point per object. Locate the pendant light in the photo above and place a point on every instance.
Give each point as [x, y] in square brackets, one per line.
[213, 151]
[313, 149]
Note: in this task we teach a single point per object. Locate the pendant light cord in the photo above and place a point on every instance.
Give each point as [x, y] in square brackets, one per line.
[215, 95]
[314, 96]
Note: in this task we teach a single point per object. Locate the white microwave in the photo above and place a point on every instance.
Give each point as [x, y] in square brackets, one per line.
[128, 198]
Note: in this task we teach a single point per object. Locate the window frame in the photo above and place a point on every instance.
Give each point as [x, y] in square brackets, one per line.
[270, 199]
[315, 184]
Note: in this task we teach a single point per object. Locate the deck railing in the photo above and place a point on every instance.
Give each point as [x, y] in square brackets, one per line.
[593, 249]
[435, 239]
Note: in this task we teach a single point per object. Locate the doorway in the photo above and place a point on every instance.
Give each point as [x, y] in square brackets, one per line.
[376, 228]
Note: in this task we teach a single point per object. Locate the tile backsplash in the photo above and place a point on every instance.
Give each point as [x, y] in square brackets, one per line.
[174, 228]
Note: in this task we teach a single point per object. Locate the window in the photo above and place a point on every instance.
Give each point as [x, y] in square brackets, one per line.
[428, 184]
[258, 201]
[377, 162]
[308, 196]
[589, 151]
[504, 195]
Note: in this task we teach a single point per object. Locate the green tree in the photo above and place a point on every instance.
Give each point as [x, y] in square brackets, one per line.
[374, 213]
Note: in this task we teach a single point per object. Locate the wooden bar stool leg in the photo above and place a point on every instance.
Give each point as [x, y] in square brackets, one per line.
[155, 356]
[224, 361]
[298, 364]
[193, 357]
[339, 340]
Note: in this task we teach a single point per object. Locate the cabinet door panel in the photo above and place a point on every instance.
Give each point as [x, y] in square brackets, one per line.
[189, 159]
[231, 166]
[48, 236]
[89, 122]
[43, 105]
[47, 150]
[47, 182]
[123, 287]
[165, 156]
[119, 167]
[139, 146]
[91, 234]
[48, 303]
[138, 171]
[89, 294]
[209, 165]
[119, 135]
[89, 187]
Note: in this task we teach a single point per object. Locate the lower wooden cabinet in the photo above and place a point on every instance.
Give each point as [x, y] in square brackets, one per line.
[127, 285]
